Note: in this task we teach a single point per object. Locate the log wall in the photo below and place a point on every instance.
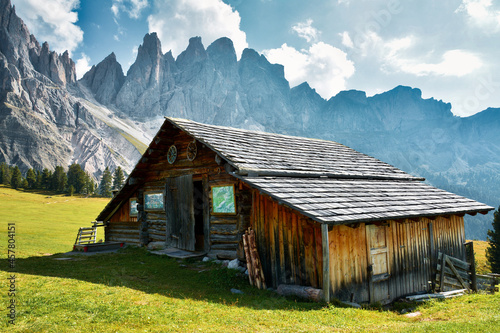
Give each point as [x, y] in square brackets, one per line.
[122, 227]
[289, 244]
[222, 232]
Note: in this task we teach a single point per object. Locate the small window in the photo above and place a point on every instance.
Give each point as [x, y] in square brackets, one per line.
[223, 200]
[133, 207]
[153, 201]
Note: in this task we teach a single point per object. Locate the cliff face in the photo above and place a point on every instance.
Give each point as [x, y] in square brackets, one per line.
[41, 123]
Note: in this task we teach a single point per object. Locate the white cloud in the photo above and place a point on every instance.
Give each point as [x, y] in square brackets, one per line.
[481, 14]
[323, 66]
[398, 55]
[453, 63]
[178, 20]
[132, 7]
[306, 31]
[52, 21]
[82, 65]
[346, 40]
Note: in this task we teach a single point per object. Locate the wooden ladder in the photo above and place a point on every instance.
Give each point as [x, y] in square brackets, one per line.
[87, 235]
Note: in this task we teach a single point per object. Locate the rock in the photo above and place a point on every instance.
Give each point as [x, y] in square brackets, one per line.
[352, 304]
[236, 291]
[156, 246]
[233, 264]
[413, 314]
[225, 263]
[205, 259]
[105, 80]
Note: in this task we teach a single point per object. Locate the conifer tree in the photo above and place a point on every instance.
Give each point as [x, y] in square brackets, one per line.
[46, 176]
[38, 185]
[77, 177]
[493, 249]
[31, 178]
[58, 180]
[6, 175]
[90, 186]
[105, 185]
[118, 178]
[16, 179]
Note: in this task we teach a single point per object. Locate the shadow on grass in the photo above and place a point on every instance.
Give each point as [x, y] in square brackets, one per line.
[137, 269]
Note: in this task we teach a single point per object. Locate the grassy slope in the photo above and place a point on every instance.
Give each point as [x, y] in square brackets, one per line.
[135, 291]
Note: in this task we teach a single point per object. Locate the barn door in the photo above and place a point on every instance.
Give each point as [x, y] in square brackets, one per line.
[378, 263]
[180, 213]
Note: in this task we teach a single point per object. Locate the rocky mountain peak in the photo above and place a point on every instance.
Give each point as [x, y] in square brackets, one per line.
[349, 96]
[223, 56]
[105, 79]
[194, 53]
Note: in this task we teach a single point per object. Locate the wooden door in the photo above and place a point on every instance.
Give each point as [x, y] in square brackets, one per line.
[378, 263]
[180, 213]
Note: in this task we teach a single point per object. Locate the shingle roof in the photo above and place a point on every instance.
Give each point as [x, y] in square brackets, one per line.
[324, 180]
[258, 152]
[342, 201]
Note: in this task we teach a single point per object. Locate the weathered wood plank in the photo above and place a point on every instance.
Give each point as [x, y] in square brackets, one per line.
[457, 275]
[326, 262]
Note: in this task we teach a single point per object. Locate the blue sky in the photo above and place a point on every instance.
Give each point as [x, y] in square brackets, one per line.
[449, 49]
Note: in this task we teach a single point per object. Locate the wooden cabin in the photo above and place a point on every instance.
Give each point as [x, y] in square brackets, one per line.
[324, 215]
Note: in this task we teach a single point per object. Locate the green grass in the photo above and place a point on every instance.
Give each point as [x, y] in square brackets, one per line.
[482, 266]
[46, 223]
[134, 291]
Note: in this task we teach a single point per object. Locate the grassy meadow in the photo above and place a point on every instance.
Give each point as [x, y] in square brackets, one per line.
[134, 291]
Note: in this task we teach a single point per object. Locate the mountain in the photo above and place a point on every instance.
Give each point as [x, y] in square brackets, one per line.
[107, 118]
[42, 123]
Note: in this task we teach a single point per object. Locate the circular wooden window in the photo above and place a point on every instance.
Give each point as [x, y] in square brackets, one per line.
[192, 150]
[172, 154]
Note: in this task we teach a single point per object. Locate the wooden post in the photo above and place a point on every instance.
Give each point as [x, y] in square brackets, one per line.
[469, 252]
[326, 262]
[441, 280]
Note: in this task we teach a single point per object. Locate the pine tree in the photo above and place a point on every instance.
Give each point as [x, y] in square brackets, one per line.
[16, 178]
[493, 249]
[31, 178]
[90, 186]
[46, 176]
[77, 177]
[38, 185]
[118, 178]
[1, 171]
[58, 180]
[105, 185]
[6, 174]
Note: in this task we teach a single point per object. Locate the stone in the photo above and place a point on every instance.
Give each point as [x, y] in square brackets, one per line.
[205, 259]
[351, 304]
[236, 291]
[233, 264]
[156, 245]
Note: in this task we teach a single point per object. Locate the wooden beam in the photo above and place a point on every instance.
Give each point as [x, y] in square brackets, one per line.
[326, 262]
